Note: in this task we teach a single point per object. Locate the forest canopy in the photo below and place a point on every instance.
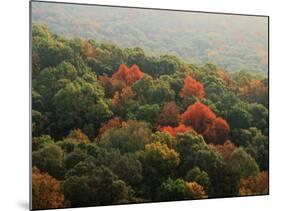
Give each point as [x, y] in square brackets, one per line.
[114, 125]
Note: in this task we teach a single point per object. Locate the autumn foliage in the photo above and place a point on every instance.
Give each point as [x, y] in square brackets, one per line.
[89, 50]
[112, 123]
[217, 132]
[254, 90]
[204, 121]
[46, 191]
[128, 75]
[195, 191]
[78, 135]
[191, 88]
[154, 128]
[198, 116]
[254, 185]
[110, 85]
[169, 115]
[122, 96]
[226, 149]
[174, 130]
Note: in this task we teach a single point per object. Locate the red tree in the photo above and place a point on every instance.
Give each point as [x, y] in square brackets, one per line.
[217, 132]
[128, 75]
[198, 116]
[192, 87]
[136, 73]
[174, 130]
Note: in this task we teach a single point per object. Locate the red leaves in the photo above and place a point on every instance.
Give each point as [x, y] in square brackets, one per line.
[218, 132]
[174, 130]
[122, 78]
[204, 121]
[191, 88]
[128, 75]
[199, 116]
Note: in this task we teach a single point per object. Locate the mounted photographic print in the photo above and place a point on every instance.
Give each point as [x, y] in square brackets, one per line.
[138, 105]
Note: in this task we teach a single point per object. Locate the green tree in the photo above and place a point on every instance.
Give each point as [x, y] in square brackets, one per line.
[98, 187]
[244, 162]
[79, 104]
[147, 112]
[40, 142]
[49, 159]
[179, 189]
[198, 176]
[239, 117]
[172, 190]
[73, 158]
[153, 91]
[255, 143]
[131, 137]
[159, 161]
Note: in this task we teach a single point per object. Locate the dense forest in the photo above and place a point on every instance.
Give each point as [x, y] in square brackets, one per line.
[230, 41]
[114, 125]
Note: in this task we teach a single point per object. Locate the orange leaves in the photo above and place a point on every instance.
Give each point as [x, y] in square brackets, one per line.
[204, 121]
[123, 77]
[128, 75]
[112, 123]
[174, 130]
[89, 50]
[121, 80]
[195, 191]
[122, 73]
[78, 135]
[199, 116]
[122, 96]
[45, 191]
[192, 88]
[254, 89]
[254, 185]
[226, 149]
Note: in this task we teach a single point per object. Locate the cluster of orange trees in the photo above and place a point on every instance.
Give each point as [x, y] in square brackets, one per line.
[114, 126]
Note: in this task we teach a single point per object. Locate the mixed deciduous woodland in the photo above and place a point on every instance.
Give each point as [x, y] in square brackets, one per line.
[232, 42]
[114, 125]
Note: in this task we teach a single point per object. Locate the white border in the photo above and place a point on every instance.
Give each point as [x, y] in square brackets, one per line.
[14, 116]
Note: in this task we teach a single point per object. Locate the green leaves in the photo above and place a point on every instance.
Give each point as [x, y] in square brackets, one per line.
[49, 159]
[101, 138]
[131, 137]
